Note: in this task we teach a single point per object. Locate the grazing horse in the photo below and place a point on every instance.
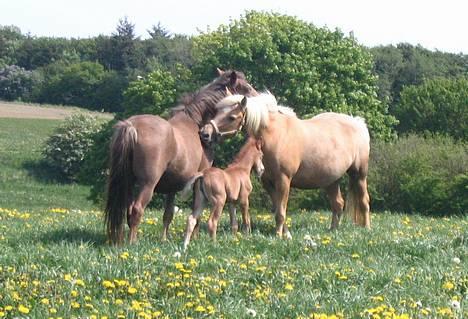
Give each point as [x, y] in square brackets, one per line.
[218, 186]
[148, 153]
[313, 153]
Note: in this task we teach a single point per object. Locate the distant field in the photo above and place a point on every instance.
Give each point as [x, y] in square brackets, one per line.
[21, 110]
[55, 262]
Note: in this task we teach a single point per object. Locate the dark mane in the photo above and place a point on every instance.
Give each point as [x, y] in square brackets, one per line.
[201, 105]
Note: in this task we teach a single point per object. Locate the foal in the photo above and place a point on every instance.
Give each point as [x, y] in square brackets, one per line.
[218, 186]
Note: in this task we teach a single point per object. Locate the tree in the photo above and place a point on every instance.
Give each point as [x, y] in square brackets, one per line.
[17, 83]
[10, 38]
[437, 106]
[311, 69]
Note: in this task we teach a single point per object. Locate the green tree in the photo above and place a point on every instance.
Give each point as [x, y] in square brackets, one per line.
[438, 106]
[311, 69]
[152, 94]
[10, 39]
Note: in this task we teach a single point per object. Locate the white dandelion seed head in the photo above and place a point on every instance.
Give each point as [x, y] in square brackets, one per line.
[419, 304]
[251, 312]
[456, 260]
[177, 254]
[455, 304]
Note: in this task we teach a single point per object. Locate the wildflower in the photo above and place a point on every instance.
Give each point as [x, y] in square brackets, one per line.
[118, 301]
[67, 277]
[456, 260]
[355, 256]
[251, 312]
[289, 287]
[377, 298]
[45, 301]
[107, 284]
[124, 255]
[309, 242]
[75, 305]
[23, 309]
[132, 290]
[79, 282]
[53, 310]
[200, 308]
[176, 255]
[448, 285]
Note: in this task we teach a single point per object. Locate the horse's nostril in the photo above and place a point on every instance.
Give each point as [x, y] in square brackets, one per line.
[205, 135]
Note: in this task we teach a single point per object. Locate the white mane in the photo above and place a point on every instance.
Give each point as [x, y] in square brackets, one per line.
[258, 108]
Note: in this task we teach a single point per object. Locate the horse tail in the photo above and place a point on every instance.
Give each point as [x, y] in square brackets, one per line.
[121, 179]
[189, 186]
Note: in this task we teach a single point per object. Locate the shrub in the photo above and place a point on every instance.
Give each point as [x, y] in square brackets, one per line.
[66, 147]
[419, 174]
[17, 83]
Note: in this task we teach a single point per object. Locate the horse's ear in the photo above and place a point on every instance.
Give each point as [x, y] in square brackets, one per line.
[228, 93]
[220, 72]
[233, 79]
[243, 103]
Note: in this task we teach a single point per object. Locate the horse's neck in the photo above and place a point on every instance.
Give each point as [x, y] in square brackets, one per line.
[245, 163]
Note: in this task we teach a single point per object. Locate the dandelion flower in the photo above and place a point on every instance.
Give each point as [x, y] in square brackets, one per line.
[132, 290]
[23, 309]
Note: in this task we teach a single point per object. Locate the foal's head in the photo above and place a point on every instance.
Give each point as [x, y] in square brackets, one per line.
[258, 164]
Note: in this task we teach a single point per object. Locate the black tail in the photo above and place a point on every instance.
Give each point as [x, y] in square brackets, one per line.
[121, 179]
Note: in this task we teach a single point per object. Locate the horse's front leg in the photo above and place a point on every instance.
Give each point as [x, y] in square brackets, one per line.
[233, 218]
[280, 202]
[245, 215]
[168, 214]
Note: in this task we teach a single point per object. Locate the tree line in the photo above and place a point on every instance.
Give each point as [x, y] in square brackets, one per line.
[312, 69]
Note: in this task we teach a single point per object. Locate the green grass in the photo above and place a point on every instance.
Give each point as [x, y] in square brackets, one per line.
[55, 262]
[25, 181]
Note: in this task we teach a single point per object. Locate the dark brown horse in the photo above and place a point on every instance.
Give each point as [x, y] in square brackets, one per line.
[216, 186]
[313, 153]
[148, 154]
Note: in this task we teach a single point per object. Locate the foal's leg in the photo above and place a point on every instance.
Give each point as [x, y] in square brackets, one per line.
[168, 214]
[233, 218]
[136, 209]
[244, 203]
[336, 203]
[193, 219]
[280, 202]
[218, 204]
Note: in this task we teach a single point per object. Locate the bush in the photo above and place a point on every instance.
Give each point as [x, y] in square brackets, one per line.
[66, 148]
[419, 174]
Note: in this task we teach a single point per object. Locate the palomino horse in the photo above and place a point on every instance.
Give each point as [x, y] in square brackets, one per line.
[218, 186]
[313, 153]
[148, 154]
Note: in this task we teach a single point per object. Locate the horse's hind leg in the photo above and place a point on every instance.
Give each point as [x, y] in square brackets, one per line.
[136, 209]
[193, 219]
[168, 214]
[363, 202]
[336, 203]
[217, 209]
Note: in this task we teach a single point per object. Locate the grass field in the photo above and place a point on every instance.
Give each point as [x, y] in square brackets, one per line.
[55, 262]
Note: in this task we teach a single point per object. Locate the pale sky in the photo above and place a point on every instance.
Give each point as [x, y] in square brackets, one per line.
[435, 24]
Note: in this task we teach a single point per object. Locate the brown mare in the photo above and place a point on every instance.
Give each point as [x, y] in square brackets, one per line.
[148, 154]
[218, 186]
[313, 153]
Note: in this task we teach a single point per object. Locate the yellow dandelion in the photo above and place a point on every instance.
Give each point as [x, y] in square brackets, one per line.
[289, 287]
[75, 305]
[448, 285]
[200, 308]
[45, 301]
[108, 284]
[132, 290]
[52, 310]
[23, 309]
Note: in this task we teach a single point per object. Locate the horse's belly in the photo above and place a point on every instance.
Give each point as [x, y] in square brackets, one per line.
[171, 182]
[307, 178]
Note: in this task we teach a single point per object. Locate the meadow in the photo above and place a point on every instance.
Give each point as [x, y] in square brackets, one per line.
[55, 261]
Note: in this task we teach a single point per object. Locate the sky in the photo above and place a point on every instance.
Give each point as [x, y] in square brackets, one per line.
[434, 24]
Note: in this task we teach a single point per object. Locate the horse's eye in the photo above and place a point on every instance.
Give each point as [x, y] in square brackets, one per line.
[232, 117]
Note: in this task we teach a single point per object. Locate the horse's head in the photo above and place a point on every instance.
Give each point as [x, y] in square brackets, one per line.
[201, 105]
[228, 120]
